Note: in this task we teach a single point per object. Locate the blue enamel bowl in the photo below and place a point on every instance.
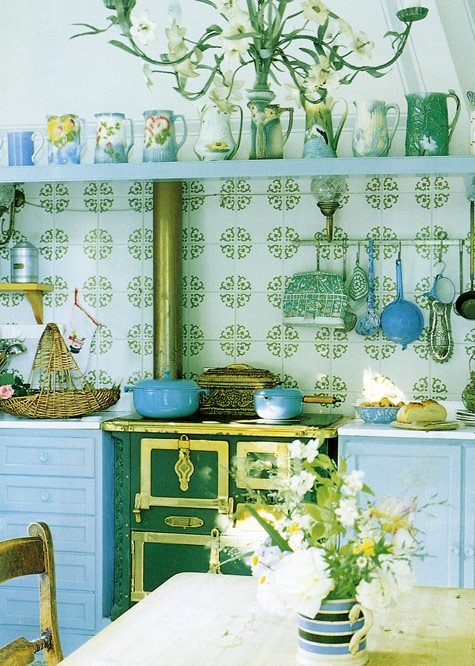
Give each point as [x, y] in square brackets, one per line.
[377, 414]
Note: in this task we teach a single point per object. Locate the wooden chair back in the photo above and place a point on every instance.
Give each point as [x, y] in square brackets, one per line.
[24, 556]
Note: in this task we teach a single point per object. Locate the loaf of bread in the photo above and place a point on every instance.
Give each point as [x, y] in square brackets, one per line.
[427, 411]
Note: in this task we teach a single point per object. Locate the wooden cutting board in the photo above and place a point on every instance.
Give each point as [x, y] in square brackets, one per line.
[446, 425]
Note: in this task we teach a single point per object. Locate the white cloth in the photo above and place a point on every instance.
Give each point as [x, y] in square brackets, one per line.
[79, 335]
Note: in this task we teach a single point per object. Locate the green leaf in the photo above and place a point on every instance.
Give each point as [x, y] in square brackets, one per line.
[6, 378]
[92, 30]
[323, 495]
[124, 47]
[276, 538]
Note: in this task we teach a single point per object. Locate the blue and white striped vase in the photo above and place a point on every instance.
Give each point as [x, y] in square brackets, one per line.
[336, 636]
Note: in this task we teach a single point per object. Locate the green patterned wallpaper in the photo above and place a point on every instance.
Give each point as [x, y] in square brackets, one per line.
[242, 240]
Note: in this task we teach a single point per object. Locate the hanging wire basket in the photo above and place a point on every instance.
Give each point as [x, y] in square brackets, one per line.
[58, 387]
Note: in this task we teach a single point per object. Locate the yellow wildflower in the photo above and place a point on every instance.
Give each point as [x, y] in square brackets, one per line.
[365, 548]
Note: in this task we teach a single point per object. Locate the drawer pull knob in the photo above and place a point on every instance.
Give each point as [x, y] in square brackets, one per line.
[43, 457]
[454, 550]
[44, 497]
[469, 552]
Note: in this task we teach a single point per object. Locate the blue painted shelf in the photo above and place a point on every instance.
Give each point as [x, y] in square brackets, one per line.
[457, 165]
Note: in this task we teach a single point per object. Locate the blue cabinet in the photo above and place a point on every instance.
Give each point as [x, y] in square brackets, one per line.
[431, 469]
[65, 478]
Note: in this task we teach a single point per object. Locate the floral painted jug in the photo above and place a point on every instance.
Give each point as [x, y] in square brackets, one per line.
[160, 144]
[66, 137]
[215, 140]
[267, 136]
[371, 136]
[321, 140]
[429, 130]
[112, 145]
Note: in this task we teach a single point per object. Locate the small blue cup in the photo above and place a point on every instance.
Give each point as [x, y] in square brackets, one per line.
[21, 147]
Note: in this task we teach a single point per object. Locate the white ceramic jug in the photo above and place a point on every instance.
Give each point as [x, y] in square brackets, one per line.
[215, 140]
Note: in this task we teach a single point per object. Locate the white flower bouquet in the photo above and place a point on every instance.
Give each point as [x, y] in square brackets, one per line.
[305, 40]
[326, 542]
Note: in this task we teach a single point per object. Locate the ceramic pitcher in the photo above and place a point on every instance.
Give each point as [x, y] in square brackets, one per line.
[111, 138]
[321, 140]
[160, 144]
[21, 147]
[429, 130]
[215, 140]
[371, 135]
[66, 136]
[267, 136]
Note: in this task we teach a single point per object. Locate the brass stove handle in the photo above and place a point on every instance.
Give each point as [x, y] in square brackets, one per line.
[137, 508]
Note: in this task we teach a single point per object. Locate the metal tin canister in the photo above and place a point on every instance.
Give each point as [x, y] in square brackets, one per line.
[24, 262]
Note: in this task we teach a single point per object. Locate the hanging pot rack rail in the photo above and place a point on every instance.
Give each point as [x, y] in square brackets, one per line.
[377, 242]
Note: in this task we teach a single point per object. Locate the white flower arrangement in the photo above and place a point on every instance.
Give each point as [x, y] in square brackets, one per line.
[316, 49]
[327, 543]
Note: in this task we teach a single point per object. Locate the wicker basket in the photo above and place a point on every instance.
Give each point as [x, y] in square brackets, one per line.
[60, 390]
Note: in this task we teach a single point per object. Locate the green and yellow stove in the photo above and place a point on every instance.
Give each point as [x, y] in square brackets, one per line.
[179, 486]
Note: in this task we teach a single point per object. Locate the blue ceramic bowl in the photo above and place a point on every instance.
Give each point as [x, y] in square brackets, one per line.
[377, 414]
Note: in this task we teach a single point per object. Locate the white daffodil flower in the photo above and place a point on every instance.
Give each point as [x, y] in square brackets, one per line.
[175, 36]
[142, 28]
[315, 10]
[362, 46]
[322, 75]
[293, 95]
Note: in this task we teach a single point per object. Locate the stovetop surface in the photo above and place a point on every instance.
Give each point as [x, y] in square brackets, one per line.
[324, 420]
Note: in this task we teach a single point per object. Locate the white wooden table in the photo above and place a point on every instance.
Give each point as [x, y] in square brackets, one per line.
[197, 619]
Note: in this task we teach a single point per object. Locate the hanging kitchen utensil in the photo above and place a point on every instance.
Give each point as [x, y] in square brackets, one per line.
[441, 344]
[358, 285]
[465, 303]
[440, 299]
[315, 298]
[401, 321]
[349, 318]
[370, 322]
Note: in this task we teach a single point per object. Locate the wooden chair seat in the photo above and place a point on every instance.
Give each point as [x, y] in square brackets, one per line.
[24, 556]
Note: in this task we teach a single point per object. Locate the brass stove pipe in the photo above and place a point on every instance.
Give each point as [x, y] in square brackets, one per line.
[167, 278]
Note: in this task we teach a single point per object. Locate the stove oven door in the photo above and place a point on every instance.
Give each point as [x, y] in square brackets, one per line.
[181, 474]
[158, 555]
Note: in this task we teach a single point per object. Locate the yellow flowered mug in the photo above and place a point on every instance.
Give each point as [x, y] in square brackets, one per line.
[66, 136]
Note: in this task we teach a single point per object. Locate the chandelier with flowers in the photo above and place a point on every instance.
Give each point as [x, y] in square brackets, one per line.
[315, 49]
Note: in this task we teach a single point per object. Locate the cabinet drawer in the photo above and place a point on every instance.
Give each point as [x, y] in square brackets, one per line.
[46, 456]
[45, 496]
[74, 571]
[76, 610]
[75, 534]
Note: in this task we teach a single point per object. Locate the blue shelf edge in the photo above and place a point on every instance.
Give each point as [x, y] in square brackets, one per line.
[461, 165]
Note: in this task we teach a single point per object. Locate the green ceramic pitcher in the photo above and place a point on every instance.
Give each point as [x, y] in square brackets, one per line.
[428, 130]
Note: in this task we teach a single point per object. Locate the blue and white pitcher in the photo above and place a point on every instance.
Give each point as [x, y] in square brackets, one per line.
[371, 135]
[111, 138]
[159, 141]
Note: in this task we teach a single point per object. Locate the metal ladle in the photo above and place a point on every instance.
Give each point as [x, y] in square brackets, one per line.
[370, 322]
